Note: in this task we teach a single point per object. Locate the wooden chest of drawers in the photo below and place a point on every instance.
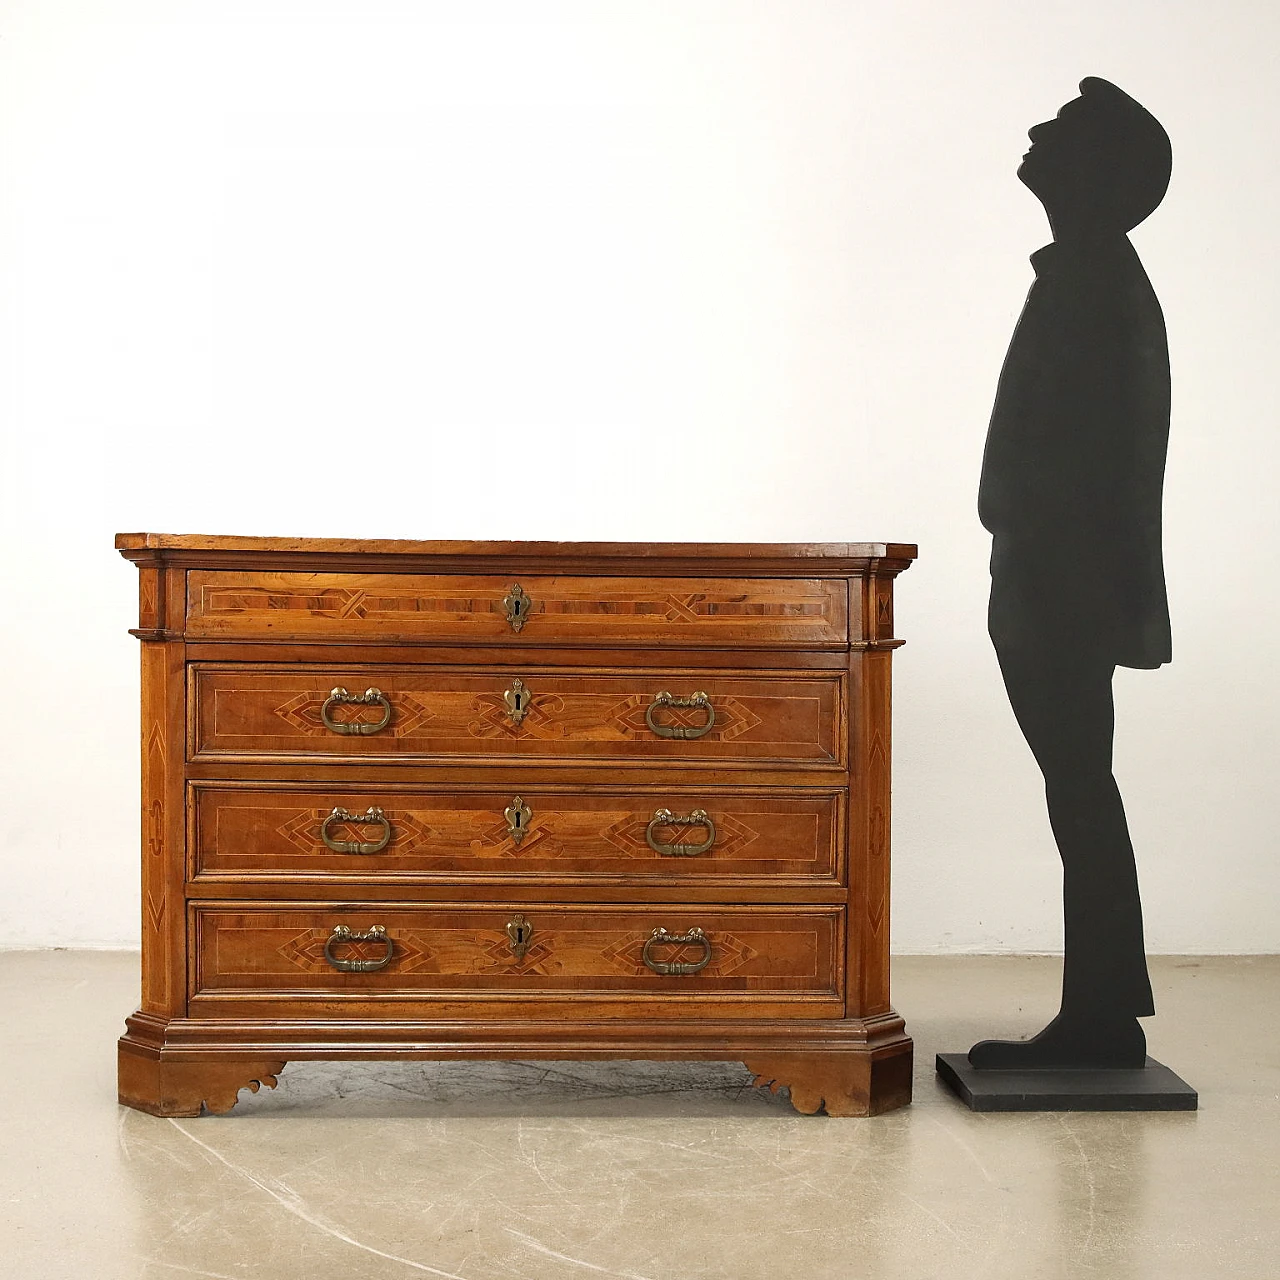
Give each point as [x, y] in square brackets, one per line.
[522, 800]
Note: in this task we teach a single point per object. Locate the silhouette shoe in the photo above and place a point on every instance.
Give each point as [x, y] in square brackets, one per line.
[1067, 1043]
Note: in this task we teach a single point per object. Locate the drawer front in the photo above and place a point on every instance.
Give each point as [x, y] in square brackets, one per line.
[566, 951]
[388, 833]
[466, 609]
[247, 711]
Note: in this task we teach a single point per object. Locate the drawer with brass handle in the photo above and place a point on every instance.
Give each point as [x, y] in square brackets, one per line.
[249, 711]
[378, 834]
[524, 947]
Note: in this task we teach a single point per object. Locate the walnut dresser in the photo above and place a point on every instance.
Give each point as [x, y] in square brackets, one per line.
[514, 799]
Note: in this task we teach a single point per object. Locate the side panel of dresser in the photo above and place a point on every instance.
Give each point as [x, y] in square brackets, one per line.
[877, 1076]
[163, 689]
[151, 1077]
[870, 733]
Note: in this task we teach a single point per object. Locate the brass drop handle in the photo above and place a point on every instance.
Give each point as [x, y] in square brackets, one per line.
[664, 699]
[520, 934]
[369, 698]
[375, 933]
[660, 937]
[518, 816]
[665, 818]
[518, 699]
[372, 816]
[517, 606]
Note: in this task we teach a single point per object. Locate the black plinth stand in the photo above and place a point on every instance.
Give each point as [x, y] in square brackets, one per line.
[1150, 1088]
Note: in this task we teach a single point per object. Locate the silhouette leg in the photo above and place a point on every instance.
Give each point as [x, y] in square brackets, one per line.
[1062, 700]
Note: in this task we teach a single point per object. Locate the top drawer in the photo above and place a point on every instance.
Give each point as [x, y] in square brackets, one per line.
[466, 609]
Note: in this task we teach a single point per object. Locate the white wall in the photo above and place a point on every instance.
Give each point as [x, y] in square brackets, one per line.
[696, 270]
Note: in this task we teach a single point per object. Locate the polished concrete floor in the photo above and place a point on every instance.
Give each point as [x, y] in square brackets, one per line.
[655, 1171]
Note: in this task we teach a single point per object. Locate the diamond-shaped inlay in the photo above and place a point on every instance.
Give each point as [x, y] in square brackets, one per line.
[495, 839]
[627, 835]
[303, 713]
[493, 718]
[500, 955]
[627, 956]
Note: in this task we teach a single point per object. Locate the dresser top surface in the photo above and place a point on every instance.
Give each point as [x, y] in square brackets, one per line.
[804, 556]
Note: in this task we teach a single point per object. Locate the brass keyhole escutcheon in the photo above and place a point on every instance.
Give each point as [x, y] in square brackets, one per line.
[518, 699]
[520, 932]
[518, 816]
[517, 606]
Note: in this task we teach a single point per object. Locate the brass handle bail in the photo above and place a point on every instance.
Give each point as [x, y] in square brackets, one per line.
[372, 816]
[375, 933]
[369, 698]
[665, 818]
[665, 699]
[660, 937]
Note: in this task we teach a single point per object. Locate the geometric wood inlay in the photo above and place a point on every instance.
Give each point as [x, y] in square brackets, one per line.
[278, 831]
[787, 716]
[463, 607]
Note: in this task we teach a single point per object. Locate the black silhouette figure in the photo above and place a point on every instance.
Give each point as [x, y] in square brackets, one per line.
[1071, 491]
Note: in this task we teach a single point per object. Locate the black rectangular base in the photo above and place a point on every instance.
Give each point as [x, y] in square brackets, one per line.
[1150, 1088]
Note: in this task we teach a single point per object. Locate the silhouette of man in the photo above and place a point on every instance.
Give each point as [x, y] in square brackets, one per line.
[1071, 489]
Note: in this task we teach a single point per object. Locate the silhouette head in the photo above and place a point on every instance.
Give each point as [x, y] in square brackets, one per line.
[1101, 166]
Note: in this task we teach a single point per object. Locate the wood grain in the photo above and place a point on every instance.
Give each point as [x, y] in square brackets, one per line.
[163, 828]
[573, 951]
[257, 833]
[242, 711]
[458, 608]
[634, 552]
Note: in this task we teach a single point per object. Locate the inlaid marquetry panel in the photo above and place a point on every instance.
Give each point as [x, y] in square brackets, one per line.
[251, 832]
[572, 950]
[265, 711]
[462, 608]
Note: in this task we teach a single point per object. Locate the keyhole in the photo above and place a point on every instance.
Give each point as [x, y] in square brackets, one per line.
[519, 931]
[518, 816]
